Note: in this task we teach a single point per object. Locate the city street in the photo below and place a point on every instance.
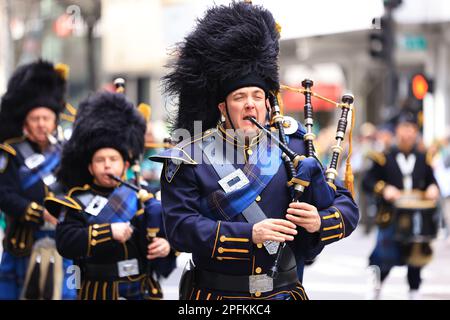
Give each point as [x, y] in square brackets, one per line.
[341, 273]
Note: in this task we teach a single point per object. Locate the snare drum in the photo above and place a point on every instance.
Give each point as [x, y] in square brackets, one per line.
[416, 220]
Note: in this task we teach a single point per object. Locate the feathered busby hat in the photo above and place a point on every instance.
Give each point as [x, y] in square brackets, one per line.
[37, 84]
[231, 47]
[104, 120]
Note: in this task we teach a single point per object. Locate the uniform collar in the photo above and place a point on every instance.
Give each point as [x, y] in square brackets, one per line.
[397, 150]
[229, 136]
[104, 191]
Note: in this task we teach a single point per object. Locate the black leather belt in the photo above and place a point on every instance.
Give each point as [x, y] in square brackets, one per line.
[103, 271]
[223, 282]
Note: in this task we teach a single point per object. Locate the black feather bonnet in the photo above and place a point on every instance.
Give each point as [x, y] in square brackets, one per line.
[231, 47]
[37, 84]
[104, 120]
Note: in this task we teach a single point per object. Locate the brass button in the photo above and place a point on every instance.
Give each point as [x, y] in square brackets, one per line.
[27, 218]
[259, 245]
[21, 245]
[154, 291]
[258, 198]
[258, 270]
[95, 226]
[257, 294]
[220, 250]
[94, 233]
[337, 215]
[93, 242]
[249, 152]
[222, 239]
[13, 240]
[34, 205]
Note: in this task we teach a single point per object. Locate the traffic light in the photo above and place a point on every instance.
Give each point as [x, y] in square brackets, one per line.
[392, 4]
[420, 85]
[381, 38]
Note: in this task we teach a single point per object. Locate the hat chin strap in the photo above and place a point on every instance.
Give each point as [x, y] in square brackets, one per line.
[228, 115]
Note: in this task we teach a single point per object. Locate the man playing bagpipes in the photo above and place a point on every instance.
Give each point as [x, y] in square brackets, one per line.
[227, 197]
[29, 156]
[112, 229]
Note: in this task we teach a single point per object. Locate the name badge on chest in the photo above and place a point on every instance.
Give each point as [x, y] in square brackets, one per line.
[96, 205]
[34, 161]
[233, 181]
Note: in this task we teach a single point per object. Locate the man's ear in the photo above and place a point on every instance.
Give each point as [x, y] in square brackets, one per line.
[221, 107]
[90, 169]
[126, 165]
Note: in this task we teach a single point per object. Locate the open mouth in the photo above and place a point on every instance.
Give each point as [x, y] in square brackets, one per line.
[247, 117]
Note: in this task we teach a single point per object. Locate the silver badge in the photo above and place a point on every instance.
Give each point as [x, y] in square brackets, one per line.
[261, 283]
[34, 161]
[271, 246]
[233, 181]
[96, 205]
[128, 268]
[290, 125]
[49, 180]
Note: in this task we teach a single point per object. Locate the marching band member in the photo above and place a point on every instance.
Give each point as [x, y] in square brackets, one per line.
[29, 157]
[113, 233]
[224, 190]
[397, 172]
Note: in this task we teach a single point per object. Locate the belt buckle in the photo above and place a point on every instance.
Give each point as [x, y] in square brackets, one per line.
[128, 268]
[271, 246]
[260, 282]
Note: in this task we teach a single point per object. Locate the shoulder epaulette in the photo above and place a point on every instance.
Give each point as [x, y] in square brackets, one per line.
[64, 201]
[181, 152]
[7, 148]
[76, 189]
[54, 204]
[377, 157]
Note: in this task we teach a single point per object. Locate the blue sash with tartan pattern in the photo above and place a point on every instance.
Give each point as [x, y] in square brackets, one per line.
[28, 177]
[121, 207]
[262, 166]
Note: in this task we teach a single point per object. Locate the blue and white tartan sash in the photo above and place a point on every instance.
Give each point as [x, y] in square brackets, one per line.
[260, 169]
[28, 177]
[122, 205]
[153, 214]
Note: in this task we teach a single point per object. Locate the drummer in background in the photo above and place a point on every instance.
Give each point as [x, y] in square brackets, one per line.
[396, 171]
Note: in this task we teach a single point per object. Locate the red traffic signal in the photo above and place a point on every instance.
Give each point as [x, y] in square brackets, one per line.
[419, 86]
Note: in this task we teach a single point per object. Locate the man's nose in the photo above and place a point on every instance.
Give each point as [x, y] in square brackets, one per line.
[41, 123]
[250, 104]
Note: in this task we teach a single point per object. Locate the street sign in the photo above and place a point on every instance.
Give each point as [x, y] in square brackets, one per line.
[414, 43]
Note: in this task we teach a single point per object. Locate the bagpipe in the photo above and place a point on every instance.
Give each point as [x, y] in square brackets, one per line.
[306, 171]
[143, 194]
[152, 211]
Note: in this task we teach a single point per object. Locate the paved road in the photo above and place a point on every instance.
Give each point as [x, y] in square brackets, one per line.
[341, 273]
